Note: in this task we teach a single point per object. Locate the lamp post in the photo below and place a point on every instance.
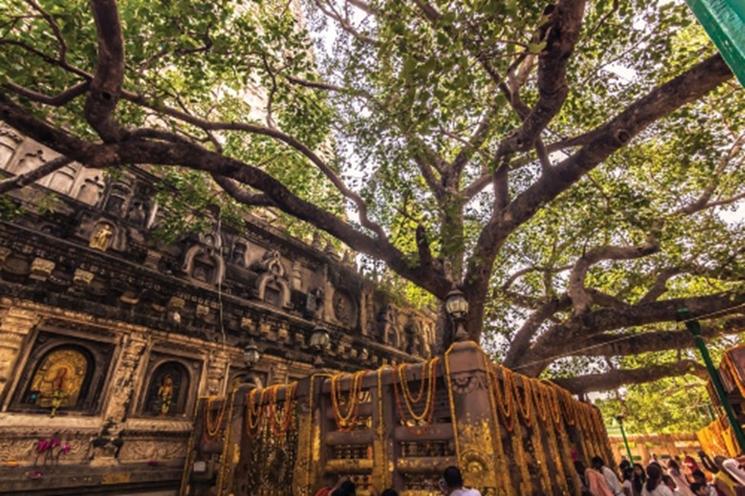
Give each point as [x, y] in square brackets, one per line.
[319, 342]
[620, 418]
[251, 355]
[694, 327]
[456, 307]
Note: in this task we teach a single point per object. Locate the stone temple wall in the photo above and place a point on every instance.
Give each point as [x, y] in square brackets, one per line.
[108, 337]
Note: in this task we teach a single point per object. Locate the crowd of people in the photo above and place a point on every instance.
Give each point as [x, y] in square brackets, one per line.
[674, 477]
[450, 484]
[671, 478]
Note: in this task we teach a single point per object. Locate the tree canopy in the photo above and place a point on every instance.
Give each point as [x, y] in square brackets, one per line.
[574, 168]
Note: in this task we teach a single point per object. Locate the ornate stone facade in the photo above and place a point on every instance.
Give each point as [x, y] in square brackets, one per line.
[108, 336]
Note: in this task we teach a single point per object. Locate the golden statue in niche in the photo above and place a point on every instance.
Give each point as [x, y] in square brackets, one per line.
[101, 237]
[58, 380]
[165, 394]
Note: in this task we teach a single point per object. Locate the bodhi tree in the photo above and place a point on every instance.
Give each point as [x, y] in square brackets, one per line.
[564, 165]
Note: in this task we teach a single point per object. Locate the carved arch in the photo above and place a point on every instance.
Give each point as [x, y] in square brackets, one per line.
[191, 264]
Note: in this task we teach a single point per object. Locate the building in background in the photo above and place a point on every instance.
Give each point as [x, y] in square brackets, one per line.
[108, 336]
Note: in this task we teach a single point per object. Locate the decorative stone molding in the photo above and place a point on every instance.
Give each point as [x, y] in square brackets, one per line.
[123, 378]
[217, 370]
[82, 277]
[15, 325]
[41, 269]
[153, 450]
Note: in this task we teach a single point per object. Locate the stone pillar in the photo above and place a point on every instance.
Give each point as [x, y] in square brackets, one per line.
[217, 371]
[106, 445]
[15, 325]
[124, 377]
[280, 373]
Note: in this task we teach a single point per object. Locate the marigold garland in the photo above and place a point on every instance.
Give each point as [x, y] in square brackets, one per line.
[263, 413]
[524, 406]
[345, 420]
[503, 397]
[213, 425]
[430, 379]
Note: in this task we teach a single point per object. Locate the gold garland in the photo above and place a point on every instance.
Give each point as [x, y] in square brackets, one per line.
[431, 380]
[344, 420]
[503, 396]
[502, 470]
[524, 408]
[539, 398]
[213, 427]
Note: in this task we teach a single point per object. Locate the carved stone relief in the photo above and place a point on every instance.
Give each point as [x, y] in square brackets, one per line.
[123, 379]
[345, 308]
[272, 285]
[15, 325]
[152, 450]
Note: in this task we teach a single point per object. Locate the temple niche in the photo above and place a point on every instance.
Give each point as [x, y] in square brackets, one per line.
[113, 335]
[168, 390]
[59, 379]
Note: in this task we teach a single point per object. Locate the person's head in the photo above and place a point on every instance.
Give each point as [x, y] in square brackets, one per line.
[389, 492]
[699, 489]
[624, 465]
[628, 473]
[330, 479]
[639, 471]
[669, 482]
[597, 462]
[698, 476]
[579, 467]
[347, 488]
[673, 465]
[654, 476]
[452, 477]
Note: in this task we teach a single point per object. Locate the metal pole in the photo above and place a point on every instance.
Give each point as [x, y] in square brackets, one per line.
[694, 327]
[625, 441]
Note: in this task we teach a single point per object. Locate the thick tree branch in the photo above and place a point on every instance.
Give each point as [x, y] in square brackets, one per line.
[31, 176]
[561, 38]
[521, 342]
[241, 195]
[619, 377]
[659, 287]
[653, 341]
[566, 338]
[138, 150]
[581, 298]
[106, 86]
[610, 137]
[58, 100]
[276, 134]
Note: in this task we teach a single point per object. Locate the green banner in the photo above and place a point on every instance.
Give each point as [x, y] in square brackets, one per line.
[724, 21]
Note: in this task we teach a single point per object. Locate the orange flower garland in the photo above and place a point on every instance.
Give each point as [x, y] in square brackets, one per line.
[428, 383]
[213, 425]
[261, 414]
[524, 405]
[344, 420]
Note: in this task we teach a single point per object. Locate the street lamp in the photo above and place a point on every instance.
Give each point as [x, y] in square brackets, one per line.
[251, 355]
[456, 307]
[319, 342]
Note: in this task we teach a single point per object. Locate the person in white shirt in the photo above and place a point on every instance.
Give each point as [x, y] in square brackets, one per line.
[451, 484]
[610, 476]
[654, 485]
